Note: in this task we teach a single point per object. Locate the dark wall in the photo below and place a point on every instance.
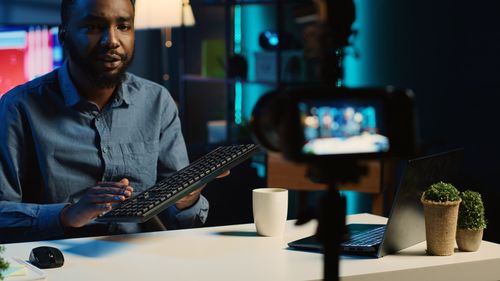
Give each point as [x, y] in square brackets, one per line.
[447, 52]
[29, 11]
[204, 100]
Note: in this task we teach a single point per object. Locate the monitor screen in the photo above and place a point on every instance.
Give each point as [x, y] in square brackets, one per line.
[343, 127]
[27, 52]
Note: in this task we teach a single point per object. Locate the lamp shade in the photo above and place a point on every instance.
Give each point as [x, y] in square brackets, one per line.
[162, 13]
[187, 13]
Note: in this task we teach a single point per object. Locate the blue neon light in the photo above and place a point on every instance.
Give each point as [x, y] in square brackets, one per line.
[238, 98]
[237, 29]
[238, 87]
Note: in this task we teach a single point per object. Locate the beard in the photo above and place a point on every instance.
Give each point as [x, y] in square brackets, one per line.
[99, 78]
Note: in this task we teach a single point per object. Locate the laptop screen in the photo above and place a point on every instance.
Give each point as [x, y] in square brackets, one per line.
[406, 226]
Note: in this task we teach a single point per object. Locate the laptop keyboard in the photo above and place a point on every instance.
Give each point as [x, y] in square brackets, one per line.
[367, 238]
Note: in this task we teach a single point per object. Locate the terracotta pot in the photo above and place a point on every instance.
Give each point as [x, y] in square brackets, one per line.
[440, 226]
[469, 240]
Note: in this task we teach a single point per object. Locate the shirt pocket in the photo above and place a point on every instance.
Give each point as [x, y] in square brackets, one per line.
[140, 162]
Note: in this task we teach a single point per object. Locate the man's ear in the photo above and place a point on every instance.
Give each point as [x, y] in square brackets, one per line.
[62, 35]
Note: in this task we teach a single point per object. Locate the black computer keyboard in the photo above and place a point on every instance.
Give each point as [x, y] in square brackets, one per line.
[166, 192]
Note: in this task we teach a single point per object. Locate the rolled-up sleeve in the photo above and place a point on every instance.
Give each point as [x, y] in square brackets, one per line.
[28, 222]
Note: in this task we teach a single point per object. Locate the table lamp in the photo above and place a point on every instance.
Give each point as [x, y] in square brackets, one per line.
[150, 14]
[163, 14]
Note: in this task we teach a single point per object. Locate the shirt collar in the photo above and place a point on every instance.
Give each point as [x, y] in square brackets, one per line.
[123, 93]
[68, 89]
[71, 96]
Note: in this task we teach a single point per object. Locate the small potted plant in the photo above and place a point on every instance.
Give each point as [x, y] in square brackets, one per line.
[471, 221]
[441, 202]
[3, 264]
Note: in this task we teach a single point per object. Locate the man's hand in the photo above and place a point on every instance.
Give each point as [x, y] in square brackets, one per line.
[189, 200]
[95, 201]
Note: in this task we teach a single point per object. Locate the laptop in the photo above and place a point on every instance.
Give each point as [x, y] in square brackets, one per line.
[405, 226]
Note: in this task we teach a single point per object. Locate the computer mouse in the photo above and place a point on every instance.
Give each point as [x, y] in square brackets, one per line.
[46, 257]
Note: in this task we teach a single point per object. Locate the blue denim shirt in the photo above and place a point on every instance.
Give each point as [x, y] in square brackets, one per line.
[55, 144]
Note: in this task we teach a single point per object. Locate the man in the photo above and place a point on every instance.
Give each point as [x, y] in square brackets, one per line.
[88, 135]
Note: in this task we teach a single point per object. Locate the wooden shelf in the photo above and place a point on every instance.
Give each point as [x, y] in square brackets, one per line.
[283, 173]
[243, 2]
[204, 79]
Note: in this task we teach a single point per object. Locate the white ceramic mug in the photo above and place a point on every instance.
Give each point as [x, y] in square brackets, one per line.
[270, 207]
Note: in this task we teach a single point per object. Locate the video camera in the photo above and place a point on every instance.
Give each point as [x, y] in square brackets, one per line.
[333, 130]
[327, 124]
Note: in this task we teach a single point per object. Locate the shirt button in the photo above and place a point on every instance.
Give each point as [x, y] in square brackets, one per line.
[104, 150]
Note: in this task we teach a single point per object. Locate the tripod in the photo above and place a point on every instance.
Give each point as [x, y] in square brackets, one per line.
[331, 216]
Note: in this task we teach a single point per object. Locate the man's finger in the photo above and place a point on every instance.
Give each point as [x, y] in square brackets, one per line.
[111, 190]
[224, 174]
[106, 198]
[194, 192]
[122, 183]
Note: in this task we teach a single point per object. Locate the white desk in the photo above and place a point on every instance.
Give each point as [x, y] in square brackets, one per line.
[235, 253]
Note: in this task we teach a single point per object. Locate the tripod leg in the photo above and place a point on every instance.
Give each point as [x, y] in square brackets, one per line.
[331, 224]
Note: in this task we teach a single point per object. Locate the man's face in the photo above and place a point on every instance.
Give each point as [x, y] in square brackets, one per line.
[99, 38]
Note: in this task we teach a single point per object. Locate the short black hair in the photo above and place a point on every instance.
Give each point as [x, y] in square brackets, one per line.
[66, 7]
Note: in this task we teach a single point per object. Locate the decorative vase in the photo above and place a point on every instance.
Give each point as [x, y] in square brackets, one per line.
[469, 240]
[440, 226]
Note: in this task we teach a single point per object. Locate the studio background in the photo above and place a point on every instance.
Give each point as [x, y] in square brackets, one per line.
[446, 51]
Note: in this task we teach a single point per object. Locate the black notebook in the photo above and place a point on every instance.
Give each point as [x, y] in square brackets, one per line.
[405, 226]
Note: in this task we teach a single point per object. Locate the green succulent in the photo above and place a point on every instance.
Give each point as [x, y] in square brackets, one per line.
[471, 212]
[3, 264]
[442, 192]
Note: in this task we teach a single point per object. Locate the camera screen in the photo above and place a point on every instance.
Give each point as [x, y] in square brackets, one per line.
[342, 127]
